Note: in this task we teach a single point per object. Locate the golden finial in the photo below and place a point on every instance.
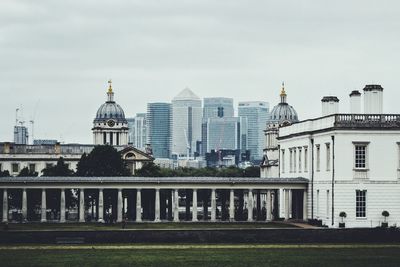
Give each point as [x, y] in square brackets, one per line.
[283, 93]
[110, 87]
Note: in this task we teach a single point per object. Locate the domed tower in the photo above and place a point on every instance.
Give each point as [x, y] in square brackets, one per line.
[110, 126]
[281, 115]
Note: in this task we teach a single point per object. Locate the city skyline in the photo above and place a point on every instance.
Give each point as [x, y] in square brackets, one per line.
[59, 58]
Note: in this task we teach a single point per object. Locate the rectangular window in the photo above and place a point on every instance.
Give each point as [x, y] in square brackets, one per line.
[361, 203]
[317, 203]
[327, 204]
[294, 159]
[15, 167]
[318, 152]
[283, 160]
[290, 160]
[32, 167]
[360, 156]
[300, 154]
[328, 157]
[305, 159]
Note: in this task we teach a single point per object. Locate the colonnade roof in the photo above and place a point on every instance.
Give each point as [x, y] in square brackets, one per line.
[151, 180]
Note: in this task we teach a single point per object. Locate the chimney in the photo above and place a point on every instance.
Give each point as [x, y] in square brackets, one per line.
[330, 105]
[373, 99]
[355, 102]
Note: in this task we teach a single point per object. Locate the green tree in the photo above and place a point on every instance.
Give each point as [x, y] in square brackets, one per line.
[60, 169]
[150, 169]
[102, 161]
[26, 172]
[4, 173]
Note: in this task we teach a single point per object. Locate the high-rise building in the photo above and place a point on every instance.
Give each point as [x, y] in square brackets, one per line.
[186, 123]
[257, 113]
[138, 131]
[158, 119]
[226, 134]
[21, 135]
[218, 107]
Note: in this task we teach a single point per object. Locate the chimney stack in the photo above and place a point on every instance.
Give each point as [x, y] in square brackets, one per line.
[330, 105]
[355, 102]
[373, 99]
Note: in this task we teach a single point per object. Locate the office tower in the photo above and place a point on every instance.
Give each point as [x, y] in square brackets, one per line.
[158, 120]
[21, 135]
[186, 123]
[257, 113]
[218, 107]
[138, 131]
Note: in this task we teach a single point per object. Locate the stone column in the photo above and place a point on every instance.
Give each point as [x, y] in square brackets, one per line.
[81, 205]
[101, 206]
[5, 205]
[290, 203]
[138, 205]
[62, 206]
[176, 205]
[250, 206]
[44, 208]
[119, 206]
[194, 206]
[232, 205]
[269, 206]
[24, 206]
[157, 206]
[286, 191]
[213, 205]
[305, 205]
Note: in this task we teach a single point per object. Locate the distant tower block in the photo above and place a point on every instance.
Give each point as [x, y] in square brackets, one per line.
[330, 105]
[355, 102]
[373, 99]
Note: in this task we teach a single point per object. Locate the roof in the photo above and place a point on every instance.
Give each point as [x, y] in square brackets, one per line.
[373, 87]
[330, 99]
[186, 94]
[154, 180]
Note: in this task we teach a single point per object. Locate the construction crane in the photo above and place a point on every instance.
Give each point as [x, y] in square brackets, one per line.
[187, 144]
[32, 120]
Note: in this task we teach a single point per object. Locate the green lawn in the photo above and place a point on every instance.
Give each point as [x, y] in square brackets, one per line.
[169, 225]
[203, 255]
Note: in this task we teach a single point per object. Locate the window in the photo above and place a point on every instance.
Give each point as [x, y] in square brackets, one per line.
[317, 203]
[32, 167]
[360, 155]
[291, 160]
[294, 159]
[15, 167]
[283, 160]
[318, 152]
[1, 167]
[305, 159]
[328, 157]
[300, 159]
[104, 138]
[361, 203]
[327, 204]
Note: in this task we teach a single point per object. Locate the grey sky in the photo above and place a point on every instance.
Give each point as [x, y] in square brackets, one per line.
[58, 55]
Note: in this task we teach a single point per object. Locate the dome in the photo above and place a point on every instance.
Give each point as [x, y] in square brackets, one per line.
[110, 110]
[283, 113]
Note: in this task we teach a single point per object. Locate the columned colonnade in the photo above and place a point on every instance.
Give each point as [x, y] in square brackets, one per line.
[165, 199]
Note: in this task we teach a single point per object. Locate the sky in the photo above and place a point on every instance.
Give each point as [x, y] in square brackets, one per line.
[57, 56]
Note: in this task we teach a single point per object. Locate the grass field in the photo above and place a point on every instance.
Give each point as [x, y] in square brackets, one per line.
[202, 255]
[169, 225]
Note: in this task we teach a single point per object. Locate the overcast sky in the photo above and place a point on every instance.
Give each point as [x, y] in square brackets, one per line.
[56, 56]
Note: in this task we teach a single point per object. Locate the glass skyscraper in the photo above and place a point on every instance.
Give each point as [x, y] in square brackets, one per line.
[159, 118]
[257, 113]
[218, 107]
[138, 131]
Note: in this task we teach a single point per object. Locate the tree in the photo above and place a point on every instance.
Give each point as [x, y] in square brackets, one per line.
[385, 214]
[102, 161]
[60, 169]
[150, 169]
[26, 172]
[4, 173]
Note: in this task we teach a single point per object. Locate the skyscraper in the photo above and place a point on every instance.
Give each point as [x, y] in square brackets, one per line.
[218, 107]
[20, 135]
[138, 131]
[158, 120]
[186, 123]
[257, 113]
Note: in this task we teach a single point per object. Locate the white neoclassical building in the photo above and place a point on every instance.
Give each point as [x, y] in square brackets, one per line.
[352, 161]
